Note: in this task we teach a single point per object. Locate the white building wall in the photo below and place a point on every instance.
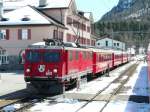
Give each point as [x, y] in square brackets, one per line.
[58, 14]
[71, 12]
[111, 44]
[13, 45]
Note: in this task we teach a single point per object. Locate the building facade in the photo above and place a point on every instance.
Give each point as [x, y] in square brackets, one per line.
[108, 43]
[24, 25]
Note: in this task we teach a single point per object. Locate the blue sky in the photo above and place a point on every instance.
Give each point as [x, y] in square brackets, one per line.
[98, 7]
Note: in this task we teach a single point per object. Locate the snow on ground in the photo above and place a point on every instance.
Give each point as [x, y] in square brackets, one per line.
[94, 86]
[122, 106]
[11, 108]
[59, 107]
[95, 106]
[11, 82]
[138, 84]
[139, 81]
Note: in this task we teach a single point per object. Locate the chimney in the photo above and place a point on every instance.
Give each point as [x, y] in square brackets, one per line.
[42, 3]
[1, 9]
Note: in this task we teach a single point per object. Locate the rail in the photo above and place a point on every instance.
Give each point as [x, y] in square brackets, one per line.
[127, 72]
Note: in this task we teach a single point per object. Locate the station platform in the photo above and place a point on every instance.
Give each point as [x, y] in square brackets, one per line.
[11, 82]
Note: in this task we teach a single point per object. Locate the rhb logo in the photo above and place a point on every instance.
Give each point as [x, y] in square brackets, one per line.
[41, 68]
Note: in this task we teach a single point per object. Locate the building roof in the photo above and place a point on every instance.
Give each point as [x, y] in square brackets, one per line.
[108, 37]
[34, 17]
[14, 4]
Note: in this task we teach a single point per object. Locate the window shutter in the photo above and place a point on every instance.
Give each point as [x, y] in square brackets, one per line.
[19, 34]
[7, 34]
[29, 34]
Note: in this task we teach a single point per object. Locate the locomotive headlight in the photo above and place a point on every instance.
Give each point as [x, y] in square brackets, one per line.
[28, 70]
[55, 70]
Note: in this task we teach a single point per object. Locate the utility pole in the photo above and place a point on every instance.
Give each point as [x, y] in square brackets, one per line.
[112, 38]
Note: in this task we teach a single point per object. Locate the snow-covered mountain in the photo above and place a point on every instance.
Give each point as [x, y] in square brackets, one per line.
[128, 9]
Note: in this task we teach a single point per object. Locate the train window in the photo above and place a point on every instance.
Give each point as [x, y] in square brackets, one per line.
[77, 55]
[84, 55]
[97, 55]
[91, 55]
[99, 58]
[33, 56]
[70, 55]
[51, 56]
[102, 59]
[105, 57]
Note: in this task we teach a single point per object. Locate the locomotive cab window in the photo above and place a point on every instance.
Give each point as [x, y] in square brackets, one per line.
[33, 56]
[52, 57]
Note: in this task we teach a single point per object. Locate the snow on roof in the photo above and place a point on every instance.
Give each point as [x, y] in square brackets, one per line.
[39, 43]
[14, 4]
[109, 38]
[87, 15]
[58, 3]
[15, 17]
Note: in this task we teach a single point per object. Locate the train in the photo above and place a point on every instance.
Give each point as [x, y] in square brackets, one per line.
[50, 65]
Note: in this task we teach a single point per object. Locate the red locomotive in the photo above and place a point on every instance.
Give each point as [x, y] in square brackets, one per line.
[48, 66]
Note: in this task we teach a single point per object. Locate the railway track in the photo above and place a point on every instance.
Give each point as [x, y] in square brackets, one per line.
[13, 98]
[27, 102]
[129, 72]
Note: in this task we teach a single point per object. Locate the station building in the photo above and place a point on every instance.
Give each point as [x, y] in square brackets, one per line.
[29, 21]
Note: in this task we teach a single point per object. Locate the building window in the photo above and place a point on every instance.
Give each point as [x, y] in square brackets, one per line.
[84, 27]
[75, 24]
[92, 42]
[55, 34]
[114, 44]
[88, 29]
[61, 35]
[74, 38]
[68, 37]
[4, 34]
[106, 43]
[69, 21]
[24, 34]
[117, 44]
[3, 57]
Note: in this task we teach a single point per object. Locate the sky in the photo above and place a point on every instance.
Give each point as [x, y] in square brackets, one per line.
[97, 7]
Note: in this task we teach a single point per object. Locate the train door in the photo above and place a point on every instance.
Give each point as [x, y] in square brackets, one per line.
[113, 59]
[80, 60]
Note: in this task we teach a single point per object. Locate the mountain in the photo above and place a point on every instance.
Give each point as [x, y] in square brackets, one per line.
[127, 9]
[129, 22]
